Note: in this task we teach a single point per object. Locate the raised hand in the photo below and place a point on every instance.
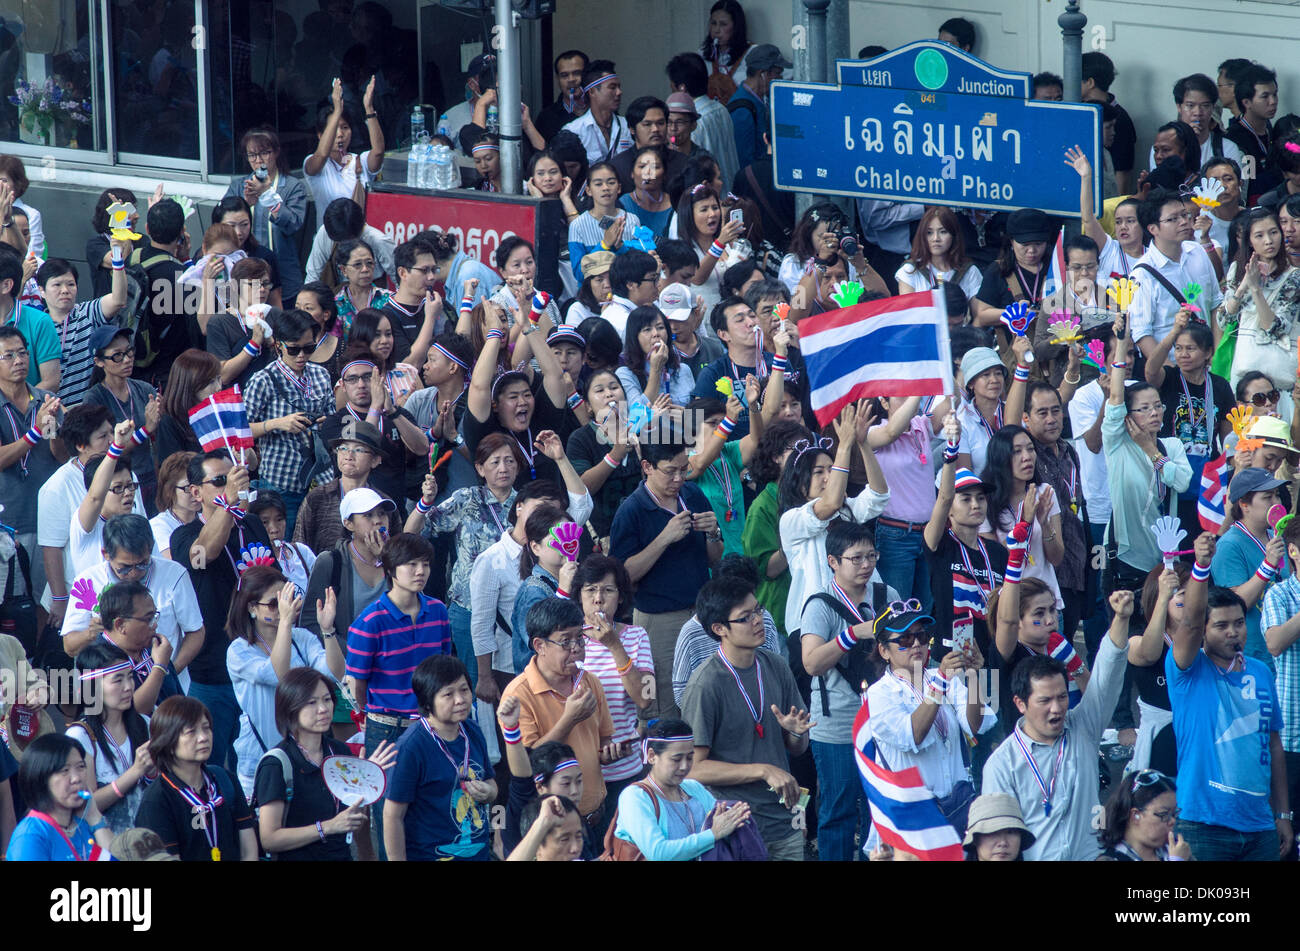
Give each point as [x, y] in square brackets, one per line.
[326, 610]
[1075, 158]
[160, 651]
[548, 443]
[796, 721]
[508, 712]
[1121, 602]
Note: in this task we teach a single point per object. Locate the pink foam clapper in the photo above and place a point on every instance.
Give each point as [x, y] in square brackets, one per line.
[565, 538]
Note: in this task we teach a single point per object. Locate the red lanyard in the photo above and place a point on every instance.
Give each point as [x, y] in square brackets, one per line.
[722, 473]
[76, 853]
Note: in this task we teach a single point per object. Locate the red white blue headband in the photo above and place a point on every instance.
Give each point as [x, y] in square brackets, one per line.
[596, 82]
[565, 764]
[645, 743]
[485, 147]
[105, 671]
[451, 356]
[356, 363]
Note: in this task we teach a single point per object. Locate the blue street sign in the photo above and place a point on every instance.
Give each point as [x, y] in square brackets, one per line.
[931, 66]
[935, 148]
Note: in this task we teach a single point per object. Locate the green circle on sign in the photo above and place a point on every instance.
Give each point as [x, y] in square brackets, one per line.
[931, 69]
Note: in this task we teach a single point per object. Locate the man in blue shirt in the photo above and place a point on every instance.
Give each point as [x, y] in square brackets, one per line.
[666, 535]
[748, 104]
[1250, 556]
[1232, 788]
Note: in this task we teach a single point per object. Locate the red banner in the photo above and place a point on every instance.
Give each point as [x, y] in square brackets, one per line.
[481, 221]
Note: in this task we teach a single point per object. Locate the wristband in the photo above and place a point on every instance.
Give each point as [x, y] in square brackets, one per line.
[1119, 366]
[1022, 374]
[726, 427]
[512, 734]
[113, 786]
[118, 258]
[1176, 858]
[422, 508]
[119, 266]
[604, 246]
[320, 830]
[252, 349]
[1201, 573]
[140, 436]
[574, 400]
[845, 640]
[716, 249]
[950, 453]
[1266, 572]
[55, 597]
[467, 303]
[494, 334]
[1012, 575]
[780, 364]
[561, 593]
[843, 469]
[33, 436]
[625, 668]
[610, 461]
[114, 450]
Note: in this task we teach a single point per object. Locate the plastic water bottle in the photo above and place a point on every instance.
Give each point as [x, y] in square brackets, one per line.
[492, 124]
[446, 171]
[429, 167]
[413, 166]
[417, 124]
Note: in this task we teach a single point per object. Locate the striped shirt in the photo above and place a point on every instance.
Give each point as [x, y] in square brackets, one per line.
[77, 362]
[1281, 603]
[694, 647]
[586, 234]
[384, 648]
[600, 664]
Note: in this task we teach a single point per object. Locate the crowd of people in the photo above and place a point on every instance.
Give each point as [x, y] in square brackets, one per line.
[556, 541]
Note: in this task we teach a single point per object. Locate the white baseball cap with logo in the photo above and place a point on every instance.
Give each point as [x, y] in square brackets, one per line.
[675, 302]
[362, 500]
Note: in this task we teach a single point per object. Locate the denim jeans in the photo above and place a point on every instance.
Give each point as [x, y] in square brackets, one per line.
[902, 563]
[221, 703]
[1094, 629]
[462, 640]
[842, 802]
[376, 733]
[1220, 844]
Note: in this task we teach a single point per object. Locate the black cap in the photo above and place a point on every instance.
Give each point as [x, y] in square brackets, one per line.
[1029, 224]
[101, 337]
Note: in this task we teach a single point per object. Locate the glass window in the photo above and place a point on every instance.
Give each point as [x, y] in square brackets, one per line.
[155, 77]
[51, 69]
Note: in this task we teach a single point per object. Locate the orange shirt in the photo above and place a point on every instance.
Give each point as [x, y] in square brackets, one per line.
[540, 708]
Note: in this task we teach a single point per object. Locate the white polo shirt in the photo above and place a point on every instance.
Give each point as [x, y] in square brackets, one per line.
[593, 140]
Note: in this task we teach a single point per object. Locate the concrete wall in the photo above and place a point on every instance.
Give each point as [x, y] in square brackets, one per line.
[1152, 42]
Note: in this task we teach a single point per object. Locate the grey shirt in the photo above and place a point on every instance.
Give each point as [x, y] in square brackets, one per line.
[720, 719]
[1068, 833]
[20, 483]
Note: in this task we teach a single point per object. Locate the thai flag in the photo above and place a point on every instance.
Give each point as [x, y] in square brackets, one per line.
[1056, 267]
[903, 809]
[897, 346]
[220, 422]
[1214, 494]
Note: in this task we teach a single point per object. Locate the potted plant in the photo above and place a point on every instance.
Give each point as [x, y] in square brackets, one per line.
[47, 113]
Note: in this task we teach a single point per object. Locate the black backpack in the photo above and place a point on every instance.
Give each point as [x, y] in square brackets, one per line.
[856, 666]
[752, 109]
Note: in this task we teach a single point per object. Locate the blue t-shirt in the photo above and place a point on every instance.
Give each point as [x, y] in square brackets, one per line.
[1222, 724]
[1236, 557]
[442, 821]
[672, 582]
[35, 840]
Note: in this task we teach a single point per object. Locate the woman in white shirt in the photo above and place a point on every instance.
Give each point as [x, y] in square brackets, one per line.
[1262, 294]
[938, 256]
[177, 505]
[812, 492]
[264, 645]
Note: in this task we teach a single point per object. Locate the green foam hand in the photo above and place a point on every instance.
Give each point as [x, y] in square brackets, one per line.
[848, 293]
[1191, 292]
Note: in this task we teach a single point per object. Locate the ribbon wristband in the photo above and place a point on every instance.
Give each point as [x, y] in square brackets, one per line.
[845, 641]
[114, 450]
[422, 508]
[494, 334]
[574, 400]
[716, 249]
[780, 364]
[33, 436]
[140, 436]
[512, 734]
[252, 349]
[1201, 573]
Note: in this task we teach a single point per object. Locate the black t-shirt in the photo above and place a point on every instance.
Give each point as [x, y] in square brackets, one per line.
[1007, 712]
[1178, 414]
[959, 595]
[312, 801]
[214, 586]
[167, 813]
[995, 289]
[586, 451]
[172, 329]
[406, 326]
[174, 436]
[546, 415]
[389, 476]
[1123, 150]
[226, 338]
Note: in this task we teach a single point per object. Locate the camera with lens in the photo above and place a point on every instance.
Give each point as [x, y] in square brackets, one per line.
[848, 243]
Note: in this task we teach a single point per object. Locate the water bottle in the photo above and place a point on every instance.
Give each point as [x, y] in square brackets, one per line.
[492, 125]
[436, 175]
[429, 167]
[417, 124]
[413, 166]
[422, 171]
[447, 177]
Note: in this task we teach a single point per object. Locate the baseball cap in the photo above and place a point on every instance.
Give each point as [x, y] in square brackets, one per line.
[480, 64]
[566, 334]
[766, 56]
[675, 302]
[597, 262]
[358, 430]
[1029, 224]
[101, 337]
[683, 103]
[362, 500]
[965, 480]
[1251, 480]
[890, 623]
[977, 360]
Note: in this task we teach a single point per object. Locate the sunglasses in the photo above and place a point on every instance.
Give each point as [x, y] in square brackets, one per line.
[293, 350]
[119, 355]
[217, 481]
[1148, 777]
[908, 639]
[1263, 399]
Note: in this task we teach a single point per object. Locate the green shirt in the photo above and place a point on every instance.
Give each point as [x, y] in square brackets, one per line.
[718, 481]
[762, 540]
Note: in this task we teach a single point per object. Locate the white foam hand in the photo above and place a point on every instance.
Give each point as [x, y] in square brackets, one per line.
[1169, 533]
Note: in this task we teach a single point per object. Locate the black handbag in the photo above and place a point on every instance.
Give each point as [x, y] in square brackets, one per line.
[18, 612]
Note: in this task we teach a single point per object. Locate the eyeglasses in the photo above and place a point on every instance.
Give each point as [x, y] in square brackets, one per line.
[119, 355]
[356, 378]
[218, 482]
[1168, 815]
[571, 644]
[128, 489]
[672, 473]
[294, 350]
[254, 156]
[747, 618]
[184, 486]
[10, 356]
[138, 566]
[353, 451]
[147, 619]
[423, 270]
[362, 265]
[857, 560]
[1177, 219]
[1150, 408]
[1263, 399]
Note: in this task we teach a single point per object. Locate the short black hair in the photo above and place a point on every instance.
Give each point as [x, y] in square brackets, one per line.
[1038, 386]
[11, 269]
[842, 534]
[628, 268]
[1038, 667]
[662, 450]
[120, 464]
[402, 549]
[434, 674]
[689, 70]
[1197, 82]
[675, 252]
[406, 253]
[547, 489]
[736, 276]
[738, 566]
[1080, 242]
[870, 52]
[550, 615]
[718, 598]
[165, 221]
[343, 219]
[289, 325]
[80, 423]
[118, 600]
[1187, 139]
[1150, 209]
[194, 472]
[268, 499]
[569, 54]
[718, 316]
[1221, 597]
[597, 68]
[52, 268]
[1046, 79]
[41, 760]
[962, 29]
[637, 109]
[1257, 75]
[1099, 68]
[543, 758]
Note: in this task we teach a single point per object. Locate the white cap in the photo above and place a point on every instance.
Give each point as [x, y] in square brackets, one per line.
[675, 302]
[362, 500]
